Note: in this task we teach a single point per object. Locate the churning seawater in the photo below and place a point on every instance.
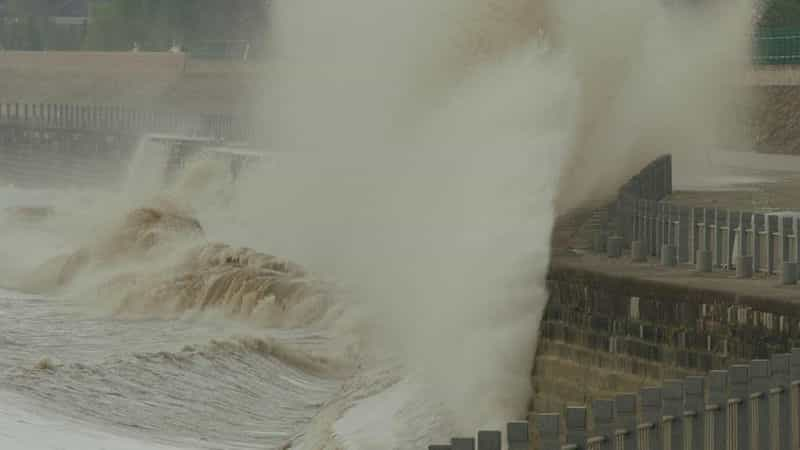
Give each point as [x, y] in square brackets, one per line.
[139, 331]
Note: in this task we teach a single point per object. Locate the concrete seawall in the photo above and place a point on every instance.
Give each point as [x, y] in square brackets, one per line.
[605, 333]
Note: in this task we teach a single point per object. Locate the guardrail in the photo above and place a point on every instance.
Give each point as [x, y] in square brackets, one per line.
[752, 406]
[517, 438]
[708, 238]
[117, 119]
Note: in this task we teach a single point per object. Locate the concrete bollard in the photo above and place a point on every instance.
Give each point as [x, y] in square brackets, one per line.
[637, 252]
[668, 257]
[599, 241]
[703, 258]
[614, 247]
[744, 267]
[789, 273]
[489, 440]
[462, 444]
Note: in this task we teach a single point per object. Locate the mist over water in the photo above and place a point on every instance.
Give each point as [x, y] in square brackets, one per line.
[420, 154]
[438, 135]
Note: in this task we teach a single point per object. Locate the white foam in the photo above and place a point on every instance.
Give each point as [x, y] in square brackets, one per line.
[20, 428]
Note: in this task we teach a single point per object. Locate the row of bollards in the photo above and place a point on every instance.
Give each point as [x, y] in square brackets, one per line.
[517, 438]
[613, 247]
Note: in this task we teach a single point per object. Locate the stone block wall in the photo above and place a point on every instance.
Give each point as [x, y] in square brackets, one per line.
[603, 334]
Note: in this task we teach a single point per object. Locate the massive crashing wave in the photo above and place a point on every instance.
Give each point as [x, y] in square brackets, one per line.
[155, 261]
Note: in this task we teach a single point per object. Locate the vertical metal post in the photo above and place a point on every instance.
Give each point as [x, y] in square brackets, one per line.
[794, 400]
[694, 413]
[650, 430]
[694, 236]
[738, 414]
[716, 428]
[672, 414]
[759, 405]
[755, 242]
[780, 412]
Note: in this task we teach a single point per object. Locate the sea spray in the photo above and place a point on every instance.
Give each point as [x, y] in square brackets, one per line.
[433, 137]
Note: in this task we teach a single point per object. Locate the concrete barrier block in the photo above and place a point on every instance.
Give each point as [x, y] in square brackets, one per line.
[599, 241]
[794, 364]
[576, 425]
[651, 400]
[668, 256]
[789, 273]
[744, 267]
[603, 418]
[638, 255]
[614, 247]
[703, 259]
[489, 440]
[548, 426]
[781, 367]
[738, 380]
[462, 444]
[672, 398]
[518, 435]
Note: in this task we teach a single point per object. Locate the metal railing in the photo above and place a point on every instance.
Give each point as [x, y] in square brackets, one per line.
[517, 438]
[118, 119]
[708, 238]
[748, 407]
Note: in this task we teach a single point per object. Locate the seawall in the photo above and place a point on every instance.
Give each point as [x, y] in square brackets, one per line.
[604, 333]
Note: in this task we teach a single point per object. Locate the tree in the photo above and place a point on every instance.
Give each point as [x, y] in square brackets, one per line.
[154, 24]
[781, 14]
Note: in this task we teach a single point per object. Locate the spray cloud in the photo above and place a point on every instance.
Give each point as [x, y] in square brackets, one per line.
[426, 143]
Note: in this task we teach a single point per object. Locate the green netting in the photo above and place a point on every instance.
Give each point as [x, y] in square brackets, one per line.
[777, 46]
[218, 50]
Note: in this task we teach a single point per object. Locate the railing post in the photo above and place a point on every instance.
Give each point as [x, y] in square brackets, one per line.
[682, 235]
[650, 430]
[759, 405]
[672, 415]
[694, 413]
[603, 420]
[576, 426]
[659, 229]
[549, 428]
[795, 249]
[716, 241]
[780, 412]
[716, 423]
[794, 400]
[489, 440]
[694, 245]
[770, 228]
[784, 229]
[625, 414]
[519, 438]
[738, 416]
[755, 243]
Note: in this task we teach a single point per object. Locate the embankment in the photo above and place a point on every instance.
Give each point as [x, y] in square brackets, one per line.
[605, 333]
[165, 80]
